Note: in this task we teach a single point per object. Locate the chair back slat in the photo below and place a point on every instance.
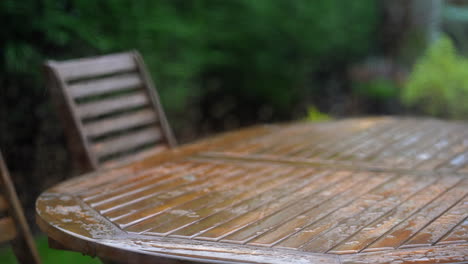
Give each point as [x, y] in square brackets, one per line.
[13, 225]
[92, 67]
[112, 105]
[7, 229]
[128, 141]
[105, 85]
[125, 121]
[109, 107]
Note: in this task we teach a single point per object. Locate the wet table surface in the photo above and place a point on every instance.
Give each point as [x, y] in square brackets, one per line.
[372, 190]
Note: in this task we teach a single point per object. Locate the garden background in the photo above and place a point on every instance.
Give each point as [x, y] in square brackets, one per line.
[221, 65]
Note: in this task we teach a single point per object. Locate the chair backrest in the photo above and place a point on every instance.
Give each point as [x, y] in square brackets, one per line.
[13, 225]
[109, 107]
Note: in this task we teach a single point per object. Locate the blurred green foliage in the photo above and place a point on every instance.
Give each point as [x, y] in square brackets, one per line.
[314, 115]
[379, 89]
[439, 82]
[256, 51]
[217, 64]
[48, 255]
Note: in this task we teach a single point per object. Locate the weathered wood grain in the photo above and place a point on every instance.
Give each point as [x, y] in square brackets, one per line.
[90, 67]
[111, 94]
[434, 231]
[7, 229]
[127, 141]
[14, 228]
[105, 85]
[258, 196]
[112, 105]
[120, 123]
[3, 204]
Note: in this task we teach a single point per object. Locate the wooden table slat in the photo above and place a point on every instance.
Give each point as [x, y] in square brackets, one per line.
[255, 185]
[441, 226]
[370, 190]
[401, 224]
[327, 207]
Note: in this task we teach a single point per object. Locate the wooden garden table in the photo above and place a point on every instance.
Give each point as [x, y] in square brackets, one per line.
[373, 190]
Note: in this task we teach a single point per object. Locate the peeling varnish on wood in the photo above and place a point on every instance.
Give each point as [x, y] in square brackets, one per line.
[226, 199]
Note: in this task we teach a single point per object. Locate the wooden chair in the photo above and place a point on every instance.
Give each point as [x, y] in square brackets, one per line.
[13, 225]
[109, 108]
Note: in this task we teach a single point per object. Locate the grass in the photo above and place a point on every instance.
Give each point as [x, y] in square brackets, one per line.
[48, 255]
